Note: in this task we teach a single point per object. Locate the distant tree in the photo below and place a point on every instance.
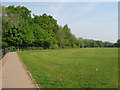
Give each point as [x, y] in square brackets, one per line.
[19, 30]
[108, 44]
[81, 43]
[60, 36]
[100, 43]
[117, 44]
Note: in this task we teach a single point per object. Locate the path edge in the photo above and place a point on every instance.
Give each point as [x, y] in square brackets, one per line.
[28, 72]
[3, 59]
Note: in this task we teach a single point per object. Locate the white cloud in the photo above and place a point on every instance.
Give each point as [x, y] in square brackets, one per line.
[87, 8]
[57, 8]
[64, 18]
[56, 12]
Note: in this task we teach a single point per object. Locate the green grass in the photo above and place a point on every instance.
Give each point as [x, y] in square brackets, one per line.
[73, 68]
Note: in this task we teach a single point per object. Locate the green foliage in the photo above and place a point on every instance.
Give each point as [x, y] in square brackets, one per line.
[12, 48]
[54, 46]
[117, 44]
[60, 36]
[47, 22]
[31, 48]
[108, 44]
[27, 33]
[19, 30]
[21, 12]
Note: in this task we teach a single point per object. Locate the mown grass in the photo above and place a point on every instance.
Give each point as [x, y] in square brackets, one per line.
[73, 68]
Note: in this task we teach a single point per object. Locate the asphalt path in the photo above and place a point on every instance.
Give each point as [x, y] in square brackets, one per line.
[14, 74]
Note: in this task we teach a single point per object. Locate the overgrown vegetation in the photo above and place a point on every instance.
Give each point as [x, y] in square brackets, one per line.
[73, 68]
[20, 30]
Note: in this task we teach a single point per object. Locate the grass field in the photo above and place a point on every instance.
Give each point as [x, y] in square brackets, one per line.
[73, 68]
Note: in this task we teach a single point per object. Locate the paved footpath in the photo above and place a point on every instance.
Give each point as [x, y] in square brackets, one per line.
[14, 75]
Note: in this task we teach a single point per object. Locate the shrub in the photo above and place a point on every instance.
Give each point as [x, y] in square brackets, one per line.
[12, 48]
[54, 46]
[32, 48]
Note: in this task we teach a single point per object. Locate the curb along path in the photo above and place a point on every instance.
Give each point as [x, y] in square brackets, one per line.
[14, 75]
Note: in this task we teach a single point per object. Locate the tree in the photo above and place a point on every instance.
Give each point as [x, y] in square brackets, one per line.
[42, 38]
[47, 23]
[22, 12]
[108, 44]
[19, 30]
[60, 36]
[27, 33]
[117, 44]
[11, 36]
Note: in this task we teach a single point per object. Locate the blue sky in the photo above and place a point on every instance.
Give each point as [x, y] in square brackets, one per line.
[92, 20]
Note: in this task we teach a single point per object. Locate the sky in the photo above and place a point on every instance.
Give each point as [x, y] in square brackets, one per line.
[90, 20]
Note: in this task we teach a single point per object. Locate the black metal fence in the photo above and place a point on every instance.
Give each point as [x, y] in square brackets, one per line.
[3, 52]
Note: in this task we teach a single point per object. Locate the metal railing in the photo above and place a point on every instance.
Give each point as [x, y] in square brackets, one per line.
[3, 52]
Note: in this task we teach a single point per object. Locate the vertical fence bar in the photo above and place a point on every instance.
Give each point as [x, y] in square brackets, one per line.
[118, 45]
[1, 54]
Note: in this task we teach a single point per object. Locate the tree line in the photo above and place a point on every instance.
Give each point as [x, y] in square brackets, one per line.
[20, 30]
